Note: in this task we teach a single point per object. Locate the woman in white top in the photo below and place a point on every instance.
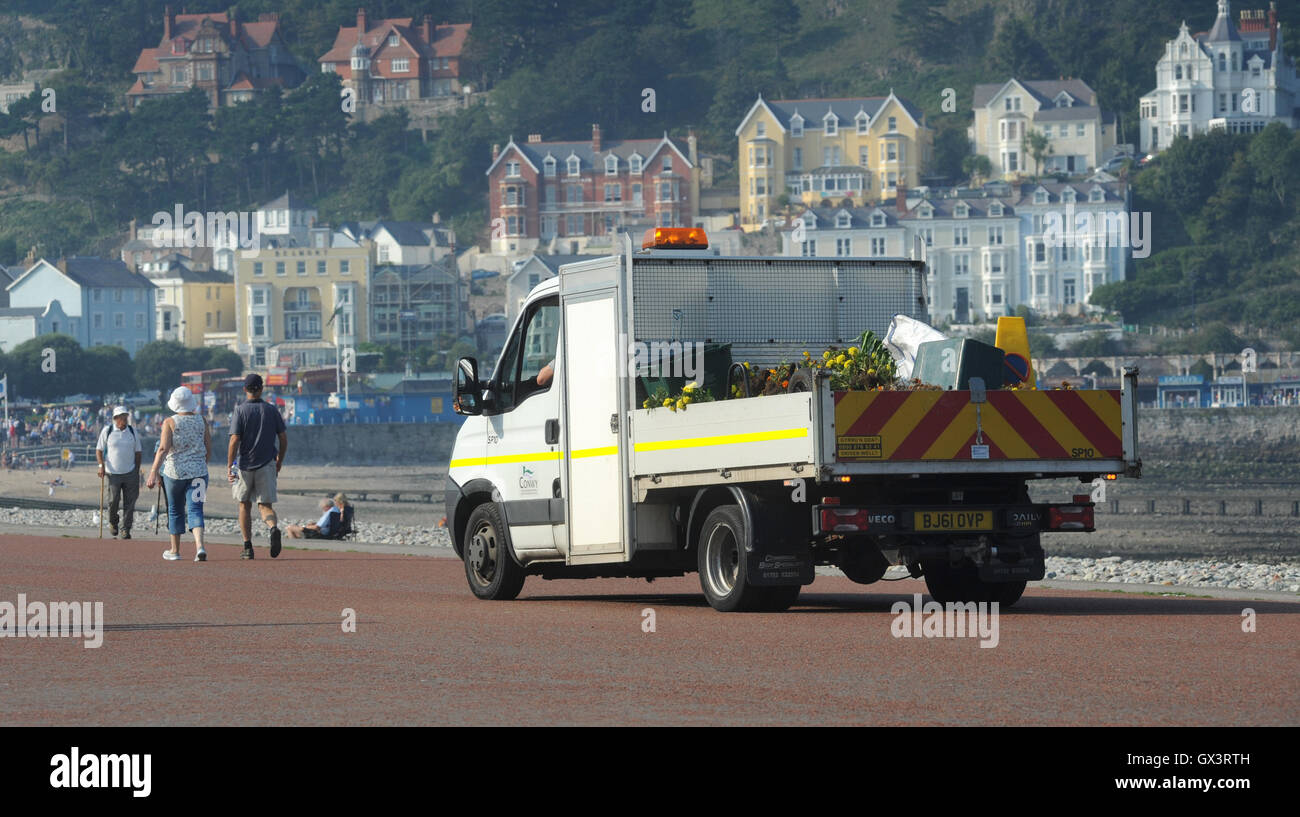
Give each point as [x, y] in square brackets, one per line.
[182, 456]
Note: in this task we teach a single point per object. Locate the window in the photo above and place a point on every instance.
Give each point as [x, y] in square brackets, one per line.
[830, 125]
[208, 316]
[877, 219]
[259, 326]
[204, 71]
[139, 320]
[528, 350]
[961, 211]
[1012, 103]
[862, 123]
[393, 40]
[1040, 197]
[1223, 99]
[1182, 103]
[383, 253]
[842, 220]
[634, 163]
[119, 320]
[891, 152]
[117, 295]
[1081, 129]
[166, 322]
[178, 76]
[512, 168]
[97, 320]
[162, 296]
[302, 267]
[844, 246]
[573, 193]
[893, 124]
[548, 166]
[320, 268]
[995, 264]
[548, 228]
[796, 126]
[1067, 292]
[1011, 160]
[1069, 195]
[514, 197]
[548, 195]
[513, 224]
[1223, 61]
[927, 233]
[668, 164]
[611, 165]
[279, 268]
[1096, 194]
[259, 297]
[1040, 252]
[401, 66]
[995, 235]
[809, 248]
[961, 264]
[613, 192]
[574, 225]
[575, 166]
[995, 209]
[344, 267]
[760, 128]
[636, 192]
[796, 159]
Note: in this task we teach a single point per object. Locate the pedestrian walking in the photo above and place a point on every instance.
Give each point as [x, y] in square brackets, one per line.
[118, 452]
[253, 461]
[182, 458]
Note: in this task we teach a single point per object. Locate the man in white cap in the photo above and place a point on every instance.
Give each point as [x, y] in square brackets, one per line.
[118, 452]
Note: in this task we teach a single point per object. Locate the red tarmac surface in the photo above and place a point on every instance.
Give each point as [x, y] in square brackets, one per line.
[230, 642]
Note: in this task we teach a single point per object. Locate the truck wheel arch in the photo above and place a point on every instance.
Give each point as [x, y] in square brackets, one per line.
[473, 493]
[706, 499]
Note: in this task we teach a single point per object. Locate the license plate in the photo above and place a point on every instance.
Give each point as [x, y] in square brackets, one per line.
[953, 520]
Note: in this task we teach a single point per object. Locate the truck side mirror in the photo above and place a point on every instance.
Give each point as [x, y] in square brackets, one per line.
[465, 397]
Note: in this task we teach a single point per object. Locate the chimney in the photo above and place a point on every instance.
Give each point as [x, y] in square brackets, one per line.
[595, 138]
[133, 230]
[496, 151]
[361, 21]
[169, 21]
[690, 148]
[437, 217]
[901, 202]
[427, 29]
[534, 138]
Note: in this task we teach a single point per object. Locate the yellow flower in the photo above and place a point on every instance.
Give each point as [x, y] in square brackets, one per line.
[688, 399]
[826, 355]
[841, 359]
[681, 403]
[646, 403]
[871, 372]
[667, 403]
[853, 351]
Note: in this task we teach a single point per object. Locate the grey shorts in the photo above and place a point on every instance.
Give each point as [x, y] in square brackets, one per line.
[257, 485]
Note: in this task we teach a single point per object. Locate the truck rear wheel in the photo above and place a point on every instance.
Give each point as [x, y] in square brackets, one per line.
[490, 567]
[722, 565]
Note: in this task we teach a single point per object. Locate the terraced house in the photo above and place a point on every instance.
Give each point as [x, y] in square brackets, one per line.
[229, 60]
[811, 150]
[102, 303]
[575, 197]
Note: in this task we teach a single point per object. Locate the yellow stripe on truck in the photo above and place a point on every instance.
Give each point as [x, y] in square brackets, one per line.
[502, 459]
[724, 439]
[604, 451]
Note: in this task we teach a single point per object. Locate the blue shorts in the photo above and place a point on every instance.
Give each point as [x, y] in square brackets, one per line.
[185, 502]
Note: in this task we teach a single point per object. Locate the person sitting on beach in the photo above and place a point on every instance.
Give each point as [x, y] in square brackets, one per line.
[320, 530]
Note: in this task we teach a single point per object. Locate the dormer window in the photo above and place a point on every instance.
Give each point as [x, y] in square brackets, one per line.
[634, 163]
[831, 124]
[575, 166]
[393, 40]
[796, 126]
[925, 211]
[862, 120]
[548, 166]
[611, 165]
[842, 221]
[877, 219]
[995, 210]
[962, 210]
[1040, 197]
[1096, 194]
[1068, 195]
[810, 221]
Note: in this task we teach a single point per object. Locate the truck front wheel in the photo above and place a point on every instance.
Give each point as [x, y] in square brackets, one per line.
[490, 567]
[722, 564]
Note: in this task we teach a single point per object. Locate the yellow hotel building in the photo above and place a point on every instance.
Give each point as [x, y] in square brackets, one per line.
[815, 149]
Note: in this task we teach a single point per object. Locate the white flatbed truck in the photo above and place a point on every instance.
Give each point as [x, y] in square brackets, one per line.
[558, 472]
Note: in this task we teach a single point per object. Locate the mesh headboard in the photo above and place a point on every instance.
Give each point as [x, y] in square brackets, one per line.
[771, 309]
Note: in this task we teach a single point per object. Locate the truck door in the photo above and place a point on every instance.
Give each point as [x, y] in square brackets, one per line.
[595, 485]
[523, 444]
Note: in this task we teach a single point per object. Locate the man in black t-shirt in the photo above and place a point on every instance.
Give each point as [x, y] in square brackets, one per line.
[255, 428]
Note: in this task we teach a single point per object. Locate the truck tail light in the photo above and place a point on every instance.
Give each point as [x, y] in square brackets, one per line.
[1070, 517]
[840, 520]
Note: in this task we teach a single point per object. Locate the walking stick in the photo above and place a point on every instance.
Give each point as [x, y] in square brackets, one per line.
[101, 506]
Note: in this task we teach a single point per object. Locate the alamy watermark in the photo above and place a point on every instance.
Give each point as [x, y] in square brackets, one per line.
[37, 619]
[954, 620]
[95, 771]
[1107, 228]
[215, 229]
[663, 358]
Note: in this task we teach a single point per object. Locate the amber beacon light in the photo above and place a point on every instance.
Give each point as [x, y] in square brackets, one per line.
[675, 238]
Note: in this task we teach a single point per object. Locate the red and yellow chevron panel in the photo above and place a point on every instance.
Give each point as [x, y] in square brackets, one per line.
[941, 425]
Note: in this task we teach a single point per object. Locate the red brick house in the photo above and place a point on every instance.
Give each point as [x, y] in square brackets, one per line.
[573, 195]
[228, 59]
[396, 60]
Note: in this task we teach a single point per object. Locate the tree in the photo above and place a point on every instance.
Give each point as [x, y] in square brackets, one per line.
[1016, 52]
[47, 367]
[951, 149]
[159, 365]
[108, 370]
[1038, 146]
[977, 166]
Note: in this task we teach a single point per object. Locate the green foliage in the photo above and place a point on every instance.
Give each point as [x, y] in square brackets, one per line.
[28, 378]
[1096, 344]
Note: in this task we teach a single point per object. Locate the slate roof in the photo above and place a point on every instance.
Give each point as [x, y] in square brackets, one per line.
[100, 272]
[448, 39]
[845, 109]
[588, 159]
[1044, 90]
